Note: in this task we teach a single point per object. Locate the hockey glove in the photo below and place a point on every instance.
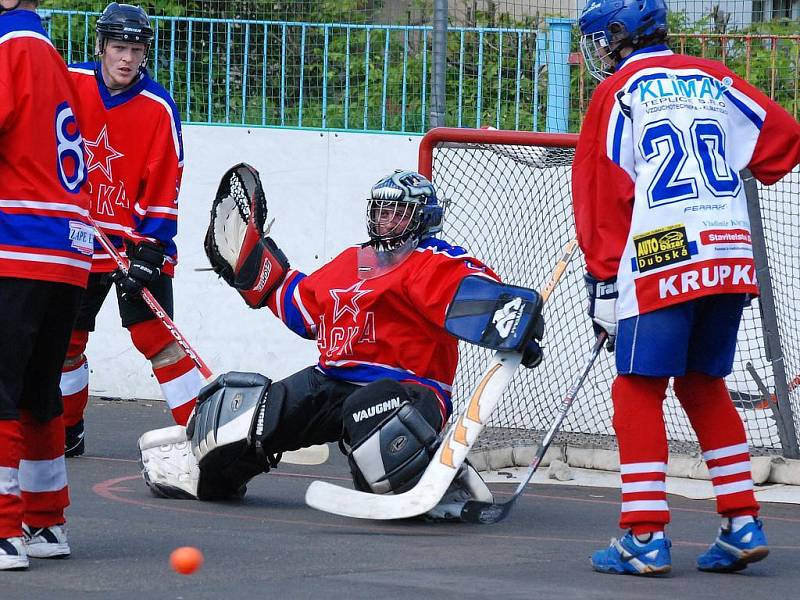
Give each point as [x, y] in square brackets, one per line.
[146, 261]
[532, 355]
[603, 307]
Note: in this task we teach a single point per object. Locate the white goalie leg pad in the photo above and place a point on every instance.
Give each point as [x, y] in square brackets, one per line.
[467, 485]
[168, 466]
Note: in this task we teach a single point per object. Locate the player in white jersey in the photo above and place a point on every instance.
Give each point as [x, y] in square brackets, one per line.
[661, 216]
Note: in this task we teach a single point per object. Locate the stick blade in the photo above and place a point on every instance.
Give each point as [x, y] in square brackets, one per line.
[313, 455]
[484, 513]
[362, 505]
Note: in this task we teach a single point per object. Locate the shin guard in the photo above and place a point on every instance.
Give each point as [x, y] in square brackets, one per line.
[722, 439]
[42, 471]
[180, 380]
[75, 379]
[10, 499]
[639, 425]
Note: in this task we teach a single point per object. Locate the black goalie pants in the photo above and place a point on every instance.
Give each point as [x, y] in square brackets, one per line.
[310, 409]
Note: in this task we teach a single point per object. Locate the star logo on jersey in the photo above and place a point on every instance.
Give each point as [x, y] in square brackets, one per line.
[100, 153]
[347, 300]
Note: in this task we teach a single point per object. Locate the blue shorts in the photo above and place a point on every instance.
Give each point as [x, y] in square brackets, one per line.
[698, 335]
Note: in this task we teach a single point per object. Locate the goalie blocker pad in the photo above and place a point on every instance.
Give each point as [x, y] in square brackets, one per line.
[236, 242]
[495, 315]
[391, 439]
[231, 419]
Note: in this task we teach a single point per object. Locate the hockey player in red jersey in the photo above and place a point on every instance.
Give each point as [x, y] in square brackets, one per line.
[135, 160]
[661, 216]
[383, 381]
[45, 257]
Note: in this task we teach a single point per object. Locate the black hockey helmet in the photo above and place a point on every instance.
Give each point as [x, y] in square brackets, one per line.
[125, 23]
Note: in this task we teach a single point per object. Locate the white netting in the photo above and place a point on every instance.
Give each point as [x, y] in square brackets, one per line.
[510, 206]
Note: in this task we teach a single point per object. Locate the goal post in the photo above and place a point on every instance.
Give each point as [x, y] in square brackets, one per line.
[508, 197]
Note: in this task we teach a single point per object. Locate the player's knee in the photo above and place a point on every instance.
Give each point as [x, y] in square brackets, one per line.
[77, 345]
[169, 355]
[150, 337]
[391, 435]
[231, 419]
[697, 388]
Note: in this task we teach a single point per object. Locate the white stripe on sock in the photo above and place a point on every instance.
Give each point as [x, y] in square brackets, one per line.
[42, 475]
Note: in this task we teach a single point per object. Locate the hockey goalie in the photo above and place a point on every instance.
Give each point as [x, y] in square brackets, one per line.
[377, 311]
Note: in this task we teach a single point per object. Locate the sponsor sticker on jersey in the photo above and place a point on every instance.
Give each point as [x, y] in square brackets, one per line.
[725, 236]
[81, 237]
[661, 247]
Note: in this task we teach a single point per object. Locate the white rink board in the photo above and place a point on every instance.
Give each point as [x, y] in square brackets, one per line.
[316, 184]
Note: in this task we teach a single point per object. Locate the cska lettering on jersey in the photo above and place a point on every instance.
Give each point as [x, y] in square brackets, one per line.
[134, 157]
[356, 325]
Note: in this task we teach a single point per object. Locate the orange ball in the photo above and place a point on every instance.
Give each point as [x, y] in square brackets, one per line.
[186, 559]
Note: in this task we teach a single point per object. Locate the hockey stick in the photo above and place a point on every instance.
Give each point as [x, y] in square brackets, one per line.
[158, 312]
[475, 511]
[452, 451]
[313, 455]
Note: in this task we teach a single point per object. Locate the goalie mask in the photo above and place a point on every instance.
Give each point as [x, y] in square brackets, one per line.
[402, 210]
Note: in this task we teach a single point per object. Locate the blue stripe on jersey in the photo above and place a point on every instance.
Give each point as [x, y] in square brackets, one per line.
[292, 317]
[616, 147]
[369, 373]
[21, 20]
[161, 229]
[746, 110]
[442, 246]
[33, 231]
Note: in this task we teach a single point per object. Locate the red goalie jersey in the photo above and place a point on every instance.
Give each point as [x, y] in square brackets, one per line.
[659, 202]
[387, 327]
[134, 156]
[44, 233]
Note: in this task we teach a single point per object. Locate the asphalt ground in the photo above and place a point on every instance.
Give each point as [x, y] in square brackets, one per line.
[270, 545]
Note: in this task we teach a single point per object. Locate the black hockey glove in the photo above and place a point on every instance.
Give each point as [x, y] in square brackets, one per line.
[603, 307]
[532, 355]
[146, 261]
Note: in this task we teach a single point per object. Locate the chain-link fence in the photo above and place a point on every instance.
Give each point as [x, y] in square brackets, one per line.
[372, 65]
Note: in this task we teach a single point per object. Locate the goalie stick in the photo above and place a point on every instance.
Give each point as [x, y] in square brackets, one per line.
[313, 455]
[452, 451]
[475, 511]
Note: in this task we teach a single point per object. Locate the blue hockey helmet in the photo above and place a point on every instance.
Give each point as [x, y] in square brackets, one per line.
[401, 206]
[608, 26]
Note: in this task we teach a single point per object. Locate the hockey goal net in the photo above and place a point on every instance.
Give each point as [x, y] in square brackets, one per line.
[510, 205]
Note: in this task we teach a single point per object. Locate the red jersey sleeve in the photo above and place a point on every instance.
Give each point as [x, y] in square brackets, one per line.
[602, 191]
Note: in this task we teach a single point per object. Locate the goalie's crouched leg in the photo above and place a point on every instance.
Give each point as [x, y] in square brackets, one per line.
[390, 434]
[219, 451]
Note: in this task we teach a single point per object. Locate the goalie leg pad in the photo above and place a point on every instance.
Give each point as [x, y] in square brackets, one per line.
[168, 466]
[225, 432]
[391, 439]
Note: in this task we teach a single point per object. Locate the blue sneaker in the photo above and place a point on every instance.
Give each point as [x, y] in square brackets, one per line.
[625, 556]
[733, 551]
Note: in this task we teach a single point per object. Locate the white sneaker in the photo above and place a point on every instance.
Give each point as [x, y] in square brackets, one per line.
[46, 542]
[467, 485]
[168, 466]
[12, 554]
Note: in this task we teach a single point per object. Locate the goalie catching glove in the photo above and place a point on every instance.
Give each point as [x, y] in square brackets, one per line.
[236, 242]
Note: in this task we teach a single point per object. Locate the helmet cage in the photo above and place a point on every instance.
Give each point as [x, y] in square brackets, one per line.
[392, 222]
